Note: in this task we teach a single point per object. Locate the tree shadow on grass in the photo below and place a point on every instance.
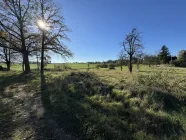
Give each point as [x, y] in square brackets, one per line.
[21, 111]
[14, 78]
[84, 107]
[50, 128]
[9, 102]
[165, 101]
[6, 120]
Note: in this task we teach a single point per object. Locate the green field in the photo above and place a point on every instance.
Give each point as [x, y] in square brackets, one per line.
[98, 104]
[51, 66]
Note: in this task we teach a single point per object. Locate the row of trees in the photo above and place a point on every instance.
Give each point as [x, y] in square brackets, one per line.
[133, 52]
[31, 28]
[163, 57]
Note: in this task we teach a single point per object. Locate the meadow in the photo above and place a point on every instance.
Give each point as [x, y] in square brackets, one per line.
[18, 67]
[95, 104]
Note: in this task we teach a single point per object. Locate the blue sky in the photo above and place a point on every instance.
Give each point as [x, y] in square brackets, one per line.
[99, 26]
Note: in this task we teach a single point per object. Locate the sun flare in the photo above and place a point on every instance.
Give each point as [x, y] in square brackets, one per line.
[42, 25]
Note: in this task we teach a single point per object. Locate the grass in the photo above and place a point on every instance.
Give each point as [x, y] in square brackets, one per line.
[96, 104]
[18, 67]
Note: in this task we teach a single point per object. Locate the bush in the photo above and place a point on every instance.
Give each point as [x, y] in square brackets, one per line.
[59, 67]
[102, 65]
[111, 66]
[97, 66]
[151, 60]
[178, 63]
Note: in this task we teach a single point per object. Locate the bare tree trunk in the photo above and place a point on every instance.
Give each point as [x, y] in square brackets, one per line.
[9, 60]
[43, 39]
[138, 63]
[7, 57]
[121, 65]
[26, 62]
[37, 63]
[130, 64]
[42, 54]
[8, 65]
[23, 66]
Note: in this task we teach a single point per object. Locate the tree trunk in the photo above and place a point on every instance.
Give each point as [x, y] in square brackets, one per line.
[121, 62]
[23, 66]
[43, 39]
[37, 63]
[130, 64]
[138, 63]
[42, 53]
[8, 65]
[121, 67]
[26, 62]
[7, 58]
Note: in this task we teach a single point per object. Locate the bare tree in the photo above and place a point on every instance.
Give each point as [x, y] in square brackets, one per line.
[121, 58]
[132, 44]
[139, 55]
[15, 18]
[7, 55]
[53, 30]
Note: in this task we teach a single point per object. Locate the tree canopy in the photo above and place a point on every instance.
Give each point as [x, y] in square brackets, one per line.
[182, 55]
[164, 54]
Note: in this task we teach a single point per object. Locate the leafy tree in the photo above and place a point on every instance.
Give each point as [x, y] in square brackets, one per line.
[132, 44]
[182, 56]
[164, 54]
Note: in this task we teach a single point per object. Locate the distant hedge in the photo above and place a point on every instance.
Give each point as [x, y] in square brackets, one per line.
[105, 65]
[178, 63]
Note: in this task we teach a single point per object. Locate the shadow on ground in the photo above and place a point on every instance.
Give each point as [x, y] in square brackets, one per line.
[84, 107]
[11, 115]
[80, 106]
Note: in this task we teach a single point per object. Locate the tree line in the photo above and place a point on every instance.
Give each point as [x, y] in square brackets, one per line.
[133, 52]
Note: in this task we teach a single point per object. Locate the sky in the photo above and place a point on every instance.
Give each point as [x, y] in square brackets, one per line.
[99, 26]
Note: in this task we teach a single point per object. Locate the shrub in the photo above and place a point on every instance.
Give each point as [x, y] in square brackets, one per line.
[111, 66]
[178, 63]
[97, 66]
[59, 67]
[102, 65]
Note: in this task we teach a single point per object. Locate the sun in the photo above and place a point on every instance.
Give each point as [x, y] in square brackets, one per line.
[42, 25]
